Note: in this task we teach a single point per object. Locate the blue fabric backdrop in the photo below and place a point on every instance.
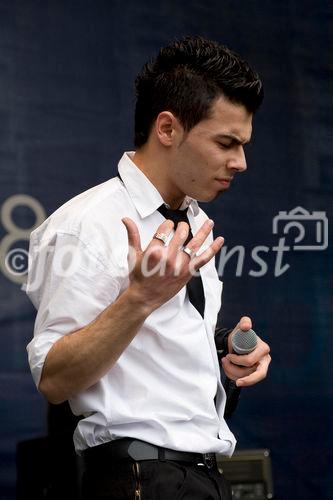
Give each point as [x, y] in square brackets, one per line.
[66, 114]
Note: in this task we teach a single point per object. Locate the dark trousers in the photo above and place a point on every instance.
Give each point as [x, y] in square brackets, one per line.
[153, 480]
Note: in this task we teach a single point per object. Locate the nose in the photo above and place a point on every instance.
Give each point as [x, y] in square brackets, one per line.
[237, 162]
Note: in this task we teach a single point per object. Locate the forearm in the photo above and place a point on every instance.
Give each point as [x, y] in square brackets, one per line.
[78, 360]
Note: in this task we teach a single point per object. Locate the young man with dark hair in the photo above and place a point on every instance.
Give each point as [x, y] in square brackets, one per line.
[126, 332]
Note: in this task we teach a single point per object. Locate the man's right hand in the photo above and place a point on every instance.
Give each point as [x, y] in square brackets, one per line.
[159, 272]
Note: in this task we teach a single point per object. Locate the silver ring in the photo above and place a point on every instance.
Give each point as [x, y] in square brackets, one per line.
[161, 236]
[189, 252]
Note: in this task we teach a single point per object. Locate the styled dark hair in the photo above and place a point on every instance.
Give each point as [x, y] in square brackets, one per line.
[185, 77]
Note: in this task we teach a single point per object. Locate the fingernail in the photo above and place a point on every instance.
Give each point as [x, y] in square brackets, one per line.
[210, 223]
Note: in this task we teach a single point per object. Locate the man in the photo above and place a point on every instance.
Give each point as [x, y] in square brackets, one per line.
[128, 303]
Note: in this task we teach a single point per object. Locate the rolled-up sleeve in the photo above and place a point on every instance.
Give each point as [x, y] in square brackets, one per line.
[70, 286]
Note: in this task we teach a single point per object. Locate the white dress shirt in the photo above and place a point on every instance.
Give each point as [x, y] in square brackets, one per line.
[162, 387]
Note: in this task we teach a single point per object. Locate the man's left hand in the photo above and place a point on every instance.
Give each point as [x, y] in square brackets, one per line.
[247, 369]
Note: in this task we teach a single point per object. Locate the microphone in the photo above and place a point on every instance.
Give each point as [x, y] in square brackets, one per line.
[243, 342]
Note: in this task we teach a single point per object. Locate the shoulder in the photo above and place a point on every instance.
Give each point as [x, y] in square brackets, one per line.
[85, 211]
[92, 219]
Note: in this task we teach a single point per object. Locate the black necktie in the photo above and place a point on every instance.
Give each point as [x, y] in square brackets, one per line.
[194, 286]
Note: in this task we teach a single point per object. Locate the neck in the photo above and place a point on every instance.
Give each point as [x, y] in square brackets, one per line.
[156, 168]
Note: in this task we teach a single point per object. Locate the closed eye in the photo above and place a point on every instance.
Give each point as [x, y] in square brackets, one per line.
[224, 146]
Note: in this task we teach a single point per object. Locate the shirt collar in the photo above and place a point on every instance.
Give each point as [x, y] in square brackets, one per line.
[143, 193]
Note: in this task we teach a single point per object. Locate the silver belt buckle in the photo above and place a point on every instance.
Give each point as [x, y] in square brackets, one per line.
[209, 460]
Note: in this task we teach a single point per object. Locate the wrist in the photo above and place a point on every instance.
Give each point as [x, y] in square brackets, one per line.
[222, 336]
[136, 301]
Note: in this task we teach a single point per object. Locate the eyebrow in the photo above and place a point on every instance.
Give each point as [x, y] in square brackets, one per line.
[233, 138]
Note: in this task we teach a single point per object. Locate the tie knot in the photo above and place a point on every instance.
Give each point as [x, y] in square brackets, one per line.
[175, 215]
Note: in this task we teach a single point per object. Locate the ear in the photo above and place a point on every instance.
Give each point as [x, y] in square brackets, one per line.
[168, 129]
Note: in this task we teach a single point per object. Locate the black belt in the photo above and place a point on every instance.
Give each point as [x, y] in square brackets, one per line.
[140, 450]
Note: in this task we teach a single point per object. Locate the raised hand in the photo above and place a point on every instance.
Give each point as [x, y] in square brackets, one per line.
[160, 271]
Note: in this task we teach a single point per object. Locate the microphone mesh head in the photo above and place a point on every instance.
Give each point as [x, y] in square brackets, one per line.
[244, 342]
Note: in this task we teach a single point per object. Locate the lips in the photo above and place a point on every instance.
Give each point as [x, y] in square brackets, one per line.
[225, 182]
[225, 179]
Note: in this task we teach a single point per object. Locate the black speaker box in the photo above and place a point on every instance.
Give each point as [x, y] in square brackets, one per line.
[250, 474]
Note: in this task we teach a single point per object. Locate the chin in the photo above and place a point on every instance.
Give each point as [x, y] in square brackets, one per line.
[208, 197]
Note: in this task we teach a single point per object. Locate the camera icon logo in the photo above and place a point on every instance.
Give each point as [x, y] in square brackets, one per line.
[312, 228]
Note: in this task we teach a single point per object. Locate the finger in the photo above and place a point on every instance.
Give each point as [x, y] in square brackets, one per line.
[257, 376]
[178, 238]
[253, 357]
[208, 254]
[165, 228]
[134, 240]
[235, 372]
[201, 235]
[245, 323]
